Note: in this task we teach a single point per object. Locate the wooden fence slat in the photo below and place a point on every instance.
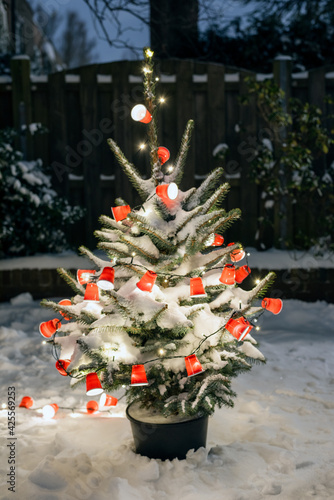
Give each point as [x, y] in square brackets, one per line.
[216, 107]
[121, 119]
[283, 224]
[58, 130]
[21, 101]
[40, 114]
[185, 112]
[89, 145]
[248, 189]
[167, 112]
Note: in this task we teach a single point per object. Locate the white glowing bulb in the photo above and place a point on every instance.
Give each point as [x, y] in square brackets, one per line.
[149, 52]
[156, 78]
[257, 282]
[172, 191]
[255, 320]
[142, 146]
[161, 352]
[74, 415]
[162, 99]
[133, 254]
[138, 112]
[3, 406]
[170, 168]
[248, 254]
[43, 342]
[147, 70]
[257, 328]
[123, 385]
[49, 411]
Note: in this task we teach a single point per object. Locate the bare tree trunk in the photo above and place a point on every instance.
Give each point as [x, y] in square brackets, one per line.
[174, 28]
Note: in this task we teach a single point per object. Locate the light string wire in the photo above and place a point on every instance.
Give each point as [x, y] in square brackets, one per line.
[73, 409]
[55, 354]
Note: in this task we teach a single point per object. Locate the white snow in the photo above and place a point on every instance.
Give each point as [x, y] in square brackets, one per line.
[200, 78]
[67, 260]
[164, 78]
[220, 148]
[72, 78]
[104, 78]
[232, 77]
[277, 441]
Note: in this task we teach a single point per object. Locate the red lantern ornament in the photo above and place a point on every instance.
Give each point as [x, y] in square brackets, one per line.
[147, 281]
[197, 288]
[140, 113]
[49, 328]
[120, 213]
[163, 154]
[26, 402]
[138, 375]
[65, 302]
[167, 192]
[49, 411]
[228, 275]
[193, 366]
[85, 275]
[62, 365]
[106, 400]
[91, 293]
[273, 305]
[237, 254]
[218, 241]
[92, 406]
[106, 279]
[93, 385]
[241, 273]
[239, 327]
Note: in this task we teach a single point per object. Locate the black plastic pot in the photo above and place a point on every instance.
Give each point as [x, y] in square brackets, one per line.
[168, 440]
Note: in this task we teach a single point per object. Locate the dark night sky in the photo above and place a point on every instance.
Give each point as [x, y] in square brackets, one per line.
[140, 37]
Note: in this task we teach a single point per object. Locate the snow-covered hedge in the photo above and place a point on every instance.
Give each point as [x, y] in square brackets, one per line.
[32, 215]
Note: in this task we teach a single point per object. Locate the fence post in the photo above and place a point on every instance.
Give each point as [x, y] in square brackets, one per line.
[282, 69]
[21, 102]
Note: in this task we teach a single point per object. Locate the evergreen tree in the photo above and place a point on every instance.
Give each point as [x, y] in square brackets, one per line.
[145, 312]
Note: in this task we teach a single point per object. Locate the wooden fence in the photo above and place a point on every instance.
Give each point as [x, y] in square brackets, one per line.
[83, 107]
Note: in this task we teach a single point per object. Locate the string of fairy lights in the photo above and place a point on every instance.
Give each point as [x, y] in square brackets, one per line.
[236, 325]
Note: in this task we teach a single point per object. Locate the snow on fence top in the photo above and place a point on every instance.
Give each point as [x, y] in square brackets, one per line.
[164, 78]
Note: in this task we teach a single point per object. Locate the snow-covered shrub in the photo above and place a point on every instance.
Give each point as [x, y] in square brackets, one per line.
[288, 164]
[32, 215]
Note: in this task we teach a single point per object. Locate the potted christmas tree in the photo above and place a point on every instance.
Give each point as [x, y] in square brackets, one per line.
[163, 316]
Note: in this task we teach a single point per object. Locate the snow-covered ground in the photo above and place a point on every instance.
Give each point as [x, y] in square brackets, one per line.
[277, 442]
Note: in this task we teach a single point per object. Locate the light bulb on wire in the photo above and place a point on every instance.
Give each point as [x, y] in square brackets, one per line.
[149, 52]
